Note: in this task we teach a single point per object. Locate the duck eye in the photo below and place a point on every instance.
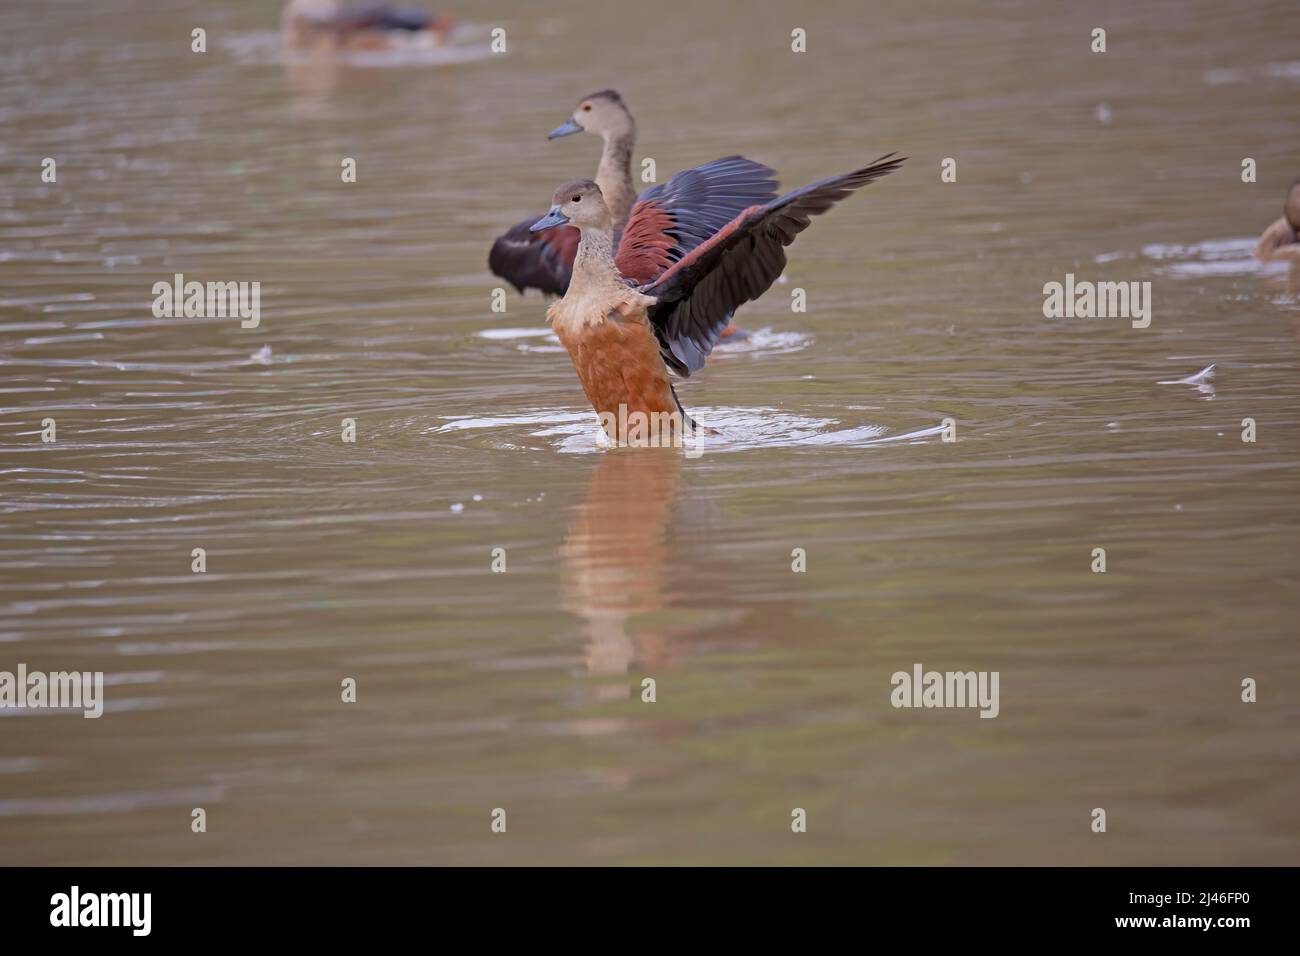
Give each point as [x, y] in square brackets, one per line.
[577, 199]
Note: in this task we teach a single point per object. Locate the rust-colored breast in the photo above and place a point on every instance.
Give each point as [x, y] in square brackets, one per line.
[618, 363]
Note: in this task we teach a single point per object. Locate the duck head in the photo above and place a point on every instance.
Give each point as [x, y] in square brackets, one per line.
[602, 113]
[578, 203]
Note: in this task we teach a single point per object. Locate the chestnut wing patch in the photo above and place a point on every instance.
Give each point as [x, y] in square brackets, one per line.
[671, 219]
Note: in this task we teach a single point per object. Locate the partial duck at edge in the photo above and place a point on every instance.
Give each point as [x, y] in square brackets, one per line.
[1281, 240]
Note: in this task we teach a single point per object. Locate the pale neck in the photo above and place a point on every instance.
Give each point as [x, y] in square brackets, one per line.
[594, 262]
[614, 174]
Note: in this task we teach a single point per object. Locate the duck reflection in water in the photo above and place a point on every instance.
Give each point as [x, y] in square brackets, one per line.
[616, 562]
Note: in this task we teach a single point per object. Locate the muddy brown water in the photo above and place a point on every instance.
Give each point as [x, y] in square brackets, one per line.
[523, 690]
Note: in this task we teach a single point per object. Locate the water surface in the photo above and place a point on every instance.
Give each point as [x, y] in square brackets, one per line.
[522, 690]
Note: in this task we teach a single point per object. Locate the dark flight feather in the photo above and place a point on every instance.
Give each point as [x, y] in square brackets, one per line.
[383, 16]
[737, 264]
[671, 219]
[535, 260]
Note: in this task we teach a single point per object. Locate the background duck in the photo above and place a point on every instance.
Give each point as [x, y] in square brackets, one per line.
[1281, 240]
[544, 260]
[632, 314]
[531, 259]
[327, 25]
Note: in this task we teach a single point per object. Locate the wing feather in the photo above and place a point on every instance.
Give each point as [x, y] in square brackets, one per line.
[738, 263]
[535, 260]
[671, 219]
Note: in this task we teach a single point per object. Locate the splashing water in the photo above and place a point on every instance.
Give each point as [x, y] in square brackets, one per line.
[1214, 257]
[735, 429]
[762, 341]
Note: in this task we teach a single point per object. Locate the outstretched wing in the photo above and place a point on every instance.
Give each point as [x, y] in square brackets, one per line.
[535, 260]
[738, 264]
[671, 219]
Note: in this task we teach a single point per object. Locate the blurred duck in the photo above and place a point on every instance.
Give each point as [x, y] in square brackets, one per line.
[1282, 239]
[658, 300]
[327, 25]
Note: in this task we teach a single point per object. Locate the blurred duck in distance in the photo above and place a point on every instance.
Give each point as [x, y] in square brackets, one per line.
[329, 26]
[1281, 240]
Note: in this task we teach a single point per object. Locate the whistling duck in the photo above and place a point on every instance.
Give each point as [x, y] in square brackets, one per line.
[1282, 239]
[544, 261]
[531, 259]
[326, 25]
[659, 301]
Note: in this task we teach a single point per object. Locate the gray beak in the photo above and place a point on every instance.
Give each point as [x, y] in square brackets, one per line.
[567, 129]
[551, 219]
